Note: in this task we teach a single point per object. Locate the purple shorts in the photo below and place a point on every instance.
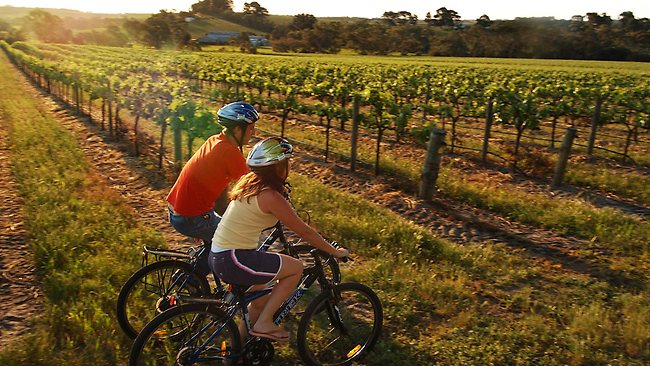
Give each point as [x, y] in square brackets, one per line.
[245, 266]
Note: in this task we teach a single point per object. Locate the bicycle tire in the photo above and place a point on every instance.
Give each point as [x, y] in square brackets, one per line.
[139, 299]
[173, 336]
[322, 343]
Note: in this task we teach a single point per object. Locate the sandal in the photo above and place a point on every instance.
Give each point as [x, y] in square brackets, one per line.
[273, 335]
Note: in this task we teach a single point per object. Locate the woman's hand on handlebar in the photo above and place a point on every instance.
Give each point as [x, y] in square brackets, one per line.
[341, 253]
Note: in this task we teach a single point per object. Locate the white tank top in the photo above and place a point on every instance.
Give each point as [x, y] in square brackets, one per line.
[241, 225]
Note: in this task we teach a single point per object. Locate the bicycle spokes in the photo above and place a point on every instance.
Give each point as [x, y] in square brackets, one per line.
[337, 329]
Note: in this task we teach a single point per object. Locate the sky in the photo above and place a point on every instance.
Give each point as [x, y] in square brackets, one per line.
[468, 9]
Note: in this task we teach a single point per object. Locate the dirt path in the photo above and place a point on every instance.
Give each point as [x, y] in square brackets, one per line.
[19, 288]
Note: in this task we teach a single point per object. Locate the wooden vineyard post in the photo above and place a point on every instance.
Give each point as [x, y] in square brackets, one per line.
[431, 167]
[110, 108]
[565, 151]
[76, 98]
[355, 133]
[595, 120]
[178, 146]
[488, 127]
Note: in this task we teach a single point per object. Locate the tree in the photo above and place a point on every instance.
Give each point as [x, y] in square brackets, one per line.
[407, 39]
[389, 17]
[368, 37]
[255, 9]
[628, 22]
[9, 33]
[255, 15]
[429, 20]
[446, 17]
[484, 21]
[399, 18]
[596, 20]
[324, 38]
[213, 7]
[303, 21]
[406, 18]
[48, 27]
[160, 30]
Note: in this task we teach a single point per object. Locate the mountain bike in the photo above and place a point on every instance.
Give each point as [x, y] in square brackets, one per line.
[339, 326]
[147, 291]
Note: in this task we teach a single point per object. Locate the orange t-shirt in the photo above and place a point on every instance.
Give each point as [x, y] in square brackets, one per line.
[206, 175]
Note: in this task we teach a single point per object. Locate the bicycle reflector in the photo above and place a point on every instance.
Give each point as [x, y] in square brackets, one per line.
[172, 300]
[224, 348]
[160, 333]
[354, 351]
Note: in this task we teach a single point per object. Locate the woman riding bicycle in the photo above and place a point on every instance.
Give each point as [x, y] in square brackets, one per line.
[258, 201]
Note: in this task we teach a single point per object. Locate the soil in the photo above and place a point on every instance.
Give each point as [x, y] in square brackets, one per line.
[19, 288]
[144, 187]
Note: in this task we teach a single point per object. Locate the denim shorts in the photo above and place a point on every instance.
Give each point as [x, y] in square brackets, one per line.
[201, 226]
[245, 266]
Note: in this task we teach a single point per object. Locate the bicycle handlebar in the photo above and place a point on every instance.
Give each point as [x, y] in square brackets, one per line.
[321, 253]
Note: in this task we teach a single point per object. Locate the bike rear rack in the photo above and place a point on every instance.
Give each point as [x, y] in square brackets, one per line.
[160, 253]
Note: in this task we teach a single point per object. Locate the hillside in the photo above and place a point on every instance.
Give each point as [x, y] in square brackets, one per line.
[77, 20]
[14, 15]
[203, 25]
[83, 21]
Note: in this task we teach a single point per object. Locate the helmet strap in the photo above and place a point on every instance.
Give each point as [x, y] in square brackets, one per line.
[230, 131]
[240, 142]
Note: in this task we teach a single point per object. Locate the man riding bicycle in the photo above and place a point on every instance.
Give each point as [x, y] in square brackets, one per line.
[206, 176]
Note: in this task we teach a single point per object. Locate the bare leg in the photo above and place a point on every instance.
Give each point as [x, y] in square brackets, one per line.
[288, 279]
[254, 310]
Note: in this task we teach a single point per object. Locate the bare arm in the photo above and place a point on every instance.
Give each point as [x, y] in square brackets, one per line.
[272, 202]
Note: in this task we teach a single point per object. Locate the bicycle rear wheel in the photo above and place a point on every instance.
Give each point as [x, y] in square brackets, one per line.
[340, 329]
[144, 294]
[186, 335]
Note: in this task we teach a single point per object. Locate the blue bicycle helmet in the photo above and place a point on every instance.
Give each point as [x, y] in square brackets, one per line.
[237, 114]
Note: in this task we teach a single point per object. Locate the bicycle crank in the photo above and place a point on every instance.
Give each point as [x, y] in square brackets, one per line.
[258, 352]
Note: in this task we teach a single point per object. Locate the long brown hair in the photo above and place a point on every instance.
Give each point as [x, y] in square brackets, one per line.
[258, 179]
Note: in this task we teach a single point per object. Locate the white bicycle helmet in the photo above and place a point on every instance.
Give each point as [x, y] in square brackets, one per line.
[269, 151]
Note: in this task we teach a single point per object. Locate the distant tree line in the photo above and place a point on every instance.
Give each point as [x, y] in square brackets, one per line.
[590, 37]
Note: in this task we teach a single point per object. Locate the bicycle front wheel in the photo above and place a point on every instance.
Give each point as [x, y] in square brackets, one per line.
[186, 335]
[341, 327]
[145, 293]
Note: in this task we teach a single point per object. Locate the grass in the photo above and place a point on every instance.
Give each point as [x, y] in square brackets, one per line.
[628, 184]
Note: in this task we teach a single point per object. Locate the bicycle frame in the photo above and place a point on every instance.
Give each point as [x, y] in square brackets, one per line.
[313, 274]
[276, 234]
